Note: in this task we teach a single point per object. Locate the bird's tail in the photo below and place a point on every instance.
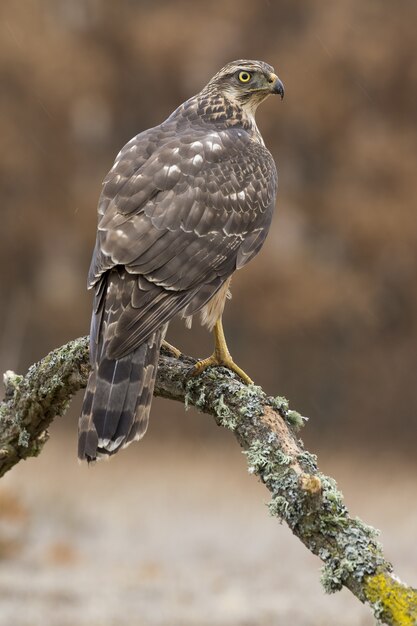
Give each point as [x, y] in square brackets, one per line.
[117, 401]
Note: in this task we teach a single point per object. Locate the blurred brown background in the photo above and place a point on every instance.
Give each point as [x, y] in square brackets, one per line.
[326, 315]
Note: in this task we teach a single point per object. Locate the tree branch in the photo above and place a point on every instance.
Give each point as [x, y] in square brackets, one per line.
[307, 500]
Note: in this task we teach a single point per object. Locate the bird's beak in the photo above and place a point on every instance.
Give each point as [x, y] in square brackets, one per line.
[276, 85]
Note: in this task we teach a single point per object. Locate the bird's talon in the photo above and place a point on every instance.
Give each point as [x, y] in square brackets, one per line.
[172, 349]
[231, 365]
[213, 361]
[202, 365]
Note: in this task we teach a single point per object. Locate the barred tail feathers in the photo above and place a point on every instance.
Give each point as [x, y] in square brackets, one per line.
[118, 400]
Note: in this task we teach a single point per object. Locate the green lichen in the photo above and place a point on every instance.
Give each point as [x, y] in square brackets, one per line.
[227, 418]
[199, 402]
[279, 403]
[348, 548]
[281, 458]
[293, 418]
[288, 502]
[308, 462]
[332, 496]
[258, 457]
[12, 382]
[195, 394]
[247, 400]
[250, 401]
[266, 461]
[359, 554]
[187, 399]
[24, 438]
[36, 445]
[278, 507]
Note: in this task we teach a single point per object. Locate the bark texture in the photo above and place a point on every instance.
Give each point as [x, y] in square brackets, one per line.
[266, 429]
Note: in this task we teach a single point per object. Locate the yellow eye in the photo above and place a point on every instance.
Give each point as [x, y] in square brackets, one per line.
[244, 77]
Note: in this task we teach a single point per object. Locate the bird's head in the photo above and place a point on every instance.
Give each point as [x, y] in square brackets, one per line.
[246, 83]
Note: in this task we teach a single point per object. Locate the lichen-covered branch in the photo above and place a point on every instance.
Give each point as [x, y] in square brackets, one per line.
[31, 402]
[307, 500]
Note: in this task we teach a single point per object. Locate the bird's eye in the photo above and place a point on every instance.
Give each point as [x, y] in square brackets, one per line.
[244, 77]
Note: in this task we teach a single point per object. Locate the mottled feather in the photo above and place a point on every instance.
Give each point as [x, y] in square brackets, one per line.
[185, 204]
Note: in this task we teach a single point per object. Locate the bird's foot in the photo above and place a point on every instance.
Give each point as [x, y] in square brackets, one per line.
[172, 349]
[215, 360]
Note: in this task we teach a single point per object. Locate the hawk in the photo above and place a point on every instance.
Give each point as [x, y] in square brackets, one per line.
[185, 204]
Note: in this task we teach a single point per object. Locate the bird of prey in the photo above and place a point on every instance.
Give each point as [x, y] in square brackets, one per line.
[185, 204]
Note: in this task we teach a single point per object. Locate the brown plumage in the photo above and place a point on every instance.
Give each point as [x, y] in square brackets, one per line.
[186, 204]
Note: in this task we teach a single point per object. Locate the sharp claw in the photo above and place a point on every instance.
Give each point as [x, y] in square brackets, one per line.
[246, 379]
[172, 349]
[202, 365]
[212, 361]
[231, 365]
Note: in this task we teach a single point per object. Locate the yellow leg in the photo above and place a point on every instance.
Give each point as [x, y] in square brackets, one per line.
[177, 353]
[220, 356]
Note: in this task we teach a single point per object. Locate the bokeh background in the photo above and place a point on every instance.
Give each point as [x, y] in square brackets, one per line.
[173, 531]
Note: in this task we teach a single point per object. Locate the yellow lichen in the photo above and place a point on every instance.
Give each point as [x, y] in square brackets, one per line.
[393, 602]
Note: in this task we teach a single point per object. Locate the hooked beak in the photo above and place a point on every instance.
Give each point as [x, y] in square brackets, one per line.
[276, 85]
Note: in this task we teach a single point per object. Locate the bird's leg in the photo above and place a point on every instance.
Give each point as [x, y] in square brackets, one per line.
[177, 353]
[220, 356]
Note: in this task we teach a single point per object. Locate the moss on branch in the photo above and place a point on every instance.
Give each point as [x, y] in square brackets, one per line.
[31, 402]
[266, 428]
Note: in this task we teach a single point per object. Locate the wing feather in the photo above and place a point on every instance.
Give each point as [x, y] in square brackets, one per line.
[180, 215]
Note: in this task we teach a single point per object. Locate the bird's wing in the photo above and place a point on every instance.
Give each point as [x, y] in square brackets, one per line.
[182, 220]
